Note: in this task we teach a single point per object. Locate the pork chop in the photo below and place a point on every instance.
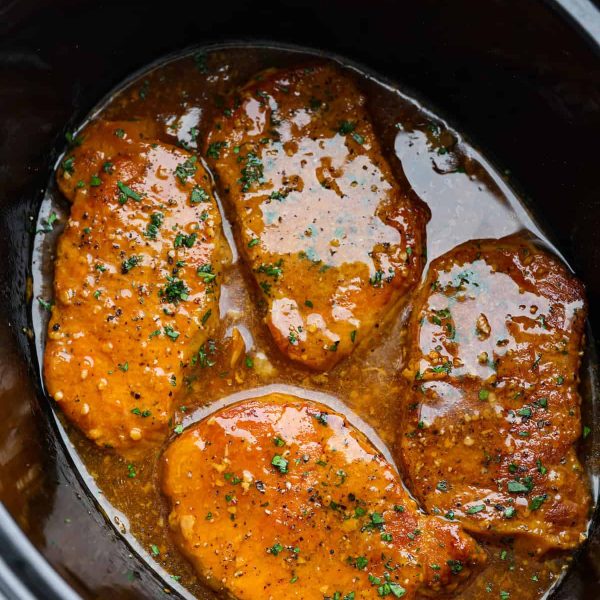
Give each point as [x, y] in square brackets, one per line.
[334, 241]
[492, 407]
[136, 286]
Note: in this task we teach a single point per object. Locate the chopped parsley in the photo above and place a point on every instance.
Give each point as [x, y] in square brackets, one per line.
[73, 139]
[359, 139]
[45, 304]
[183, 240]
[346, 127]
[205, 273]
[390, 588]
[201, 358]
[214, 149]
[126, 192]
[199, 195]
[537, 501]
[175, 290]
[186, 169]
[273, 270]
[156, 221]
[516, 487]
[130, 263]
[252, 172]
[540, 467]
[49, 223]
[141, 413]
[171, 333]
[377, 519]
[376, 280]
[68, 165]
[321, 417]
[275, 549]
[280, 463]
[455, 566]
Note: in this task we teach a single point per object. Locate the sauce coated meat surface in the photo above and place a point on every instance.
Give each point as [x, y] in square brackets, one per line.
[333, 240]
[279, 497]
[91, 149]
[136, 284]
[492, 407]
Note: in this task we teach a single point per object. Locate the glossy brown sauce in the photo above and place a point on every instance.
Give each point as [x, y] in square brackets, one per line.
[467, 200]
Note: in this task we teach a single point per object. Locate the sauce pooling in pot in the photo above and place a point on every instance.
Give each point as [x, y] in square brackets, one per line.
[467, 201]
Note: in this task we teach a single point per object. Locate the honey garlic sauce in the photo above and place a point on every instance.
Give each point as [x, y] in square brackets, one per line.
[467, 200]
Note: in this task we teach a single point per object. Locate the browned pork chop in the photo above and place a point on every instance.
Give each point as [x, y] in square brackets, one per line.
[279, 497]
[333, 240]
[136, 284]
[492, 407]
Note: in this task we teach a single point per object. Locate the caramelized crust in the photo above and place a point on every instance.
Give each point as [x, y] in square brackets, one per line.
[492, 407]
[131, 310]
[333, 240]
[279, 497]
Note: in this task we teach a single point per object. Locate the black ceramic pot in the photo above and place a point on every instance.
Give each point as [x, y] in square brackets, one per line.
[520, 78]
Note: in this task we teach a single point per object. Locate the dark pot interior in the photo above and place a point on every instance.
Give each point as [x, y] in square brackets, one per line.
[521, 79]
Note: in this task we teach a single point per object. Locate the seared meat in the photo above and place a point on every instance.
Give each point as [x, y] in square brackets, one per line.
[278, 497]
[334, 242]
[136, 285]
[492, 407]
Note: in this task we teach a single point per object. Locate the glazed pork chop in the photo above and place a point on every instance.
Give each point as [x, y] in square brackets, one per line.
[279, 497]
[333, 240]
[136, 284]
[492, 407]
